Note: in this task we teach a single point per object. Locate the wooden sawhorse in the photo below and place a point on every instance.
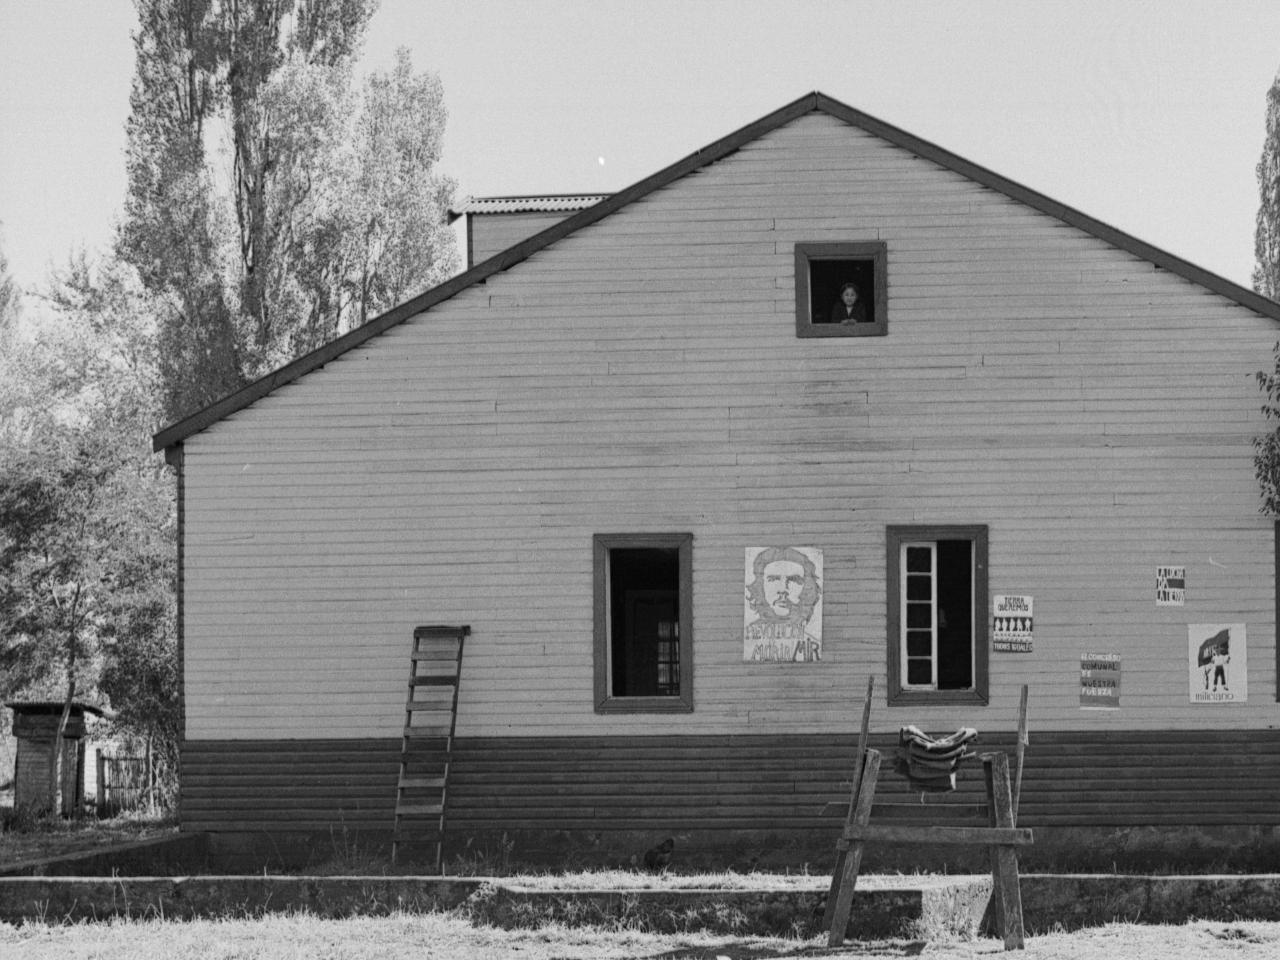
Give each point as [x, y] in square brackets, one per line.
[1000, 834]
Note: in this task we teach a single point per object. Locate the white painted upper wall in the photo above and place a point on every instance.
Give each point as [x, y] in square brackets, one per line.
[643, 375]
[491, 233]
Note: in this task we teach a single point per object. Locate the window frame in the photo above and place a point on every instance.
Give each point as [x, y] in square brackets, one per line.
[897, 535]
[602, 545]
[875, 252]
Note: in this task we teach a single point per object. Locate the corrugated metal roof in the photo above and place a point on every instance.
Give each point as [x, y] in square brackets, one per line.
[544, 204]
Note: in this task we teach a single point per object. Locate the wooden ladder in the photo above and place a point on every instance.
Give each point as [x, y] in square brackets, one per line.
[430, 717]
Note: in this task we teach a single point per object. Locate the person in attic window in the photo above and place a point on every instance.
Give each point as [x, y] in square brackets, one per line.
[850, 309]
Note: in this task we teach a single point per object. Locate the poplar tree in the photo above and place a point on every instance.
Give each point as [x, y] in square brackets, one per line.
[1266, 281]
[10, 297]
[332, 211]
[86, 510]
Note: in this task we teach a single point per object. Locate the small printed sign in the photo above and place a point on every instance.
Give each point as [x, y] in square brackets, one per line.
[1171, 586]
[782, 605]
[1099, 681]
[1218, 662]
[1012, 625]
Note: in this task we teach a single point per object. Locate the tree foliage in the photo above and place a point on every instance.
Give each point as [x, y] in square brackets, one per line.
[1266, 448]
[1266, 238]
[272, 204]
[1266, 280]
[10, 298]
[332, 212]
[86, 511]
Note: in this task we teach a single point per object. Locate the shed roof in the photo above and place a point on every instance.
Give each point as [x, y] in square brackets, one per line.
[548, 203]
[809, 103]
[55, 706]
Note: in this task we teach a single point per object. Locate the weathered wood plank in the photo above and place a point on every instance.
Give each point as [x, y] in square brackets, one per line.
[644, 374]
[719, 782]
[942, 836]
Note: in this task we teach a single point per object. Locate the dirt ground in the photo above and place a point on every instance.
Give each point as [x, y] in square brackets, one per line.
[53, 838]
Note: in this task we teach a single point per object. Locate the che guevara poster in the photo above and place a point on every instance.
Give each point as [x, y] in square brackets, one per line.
[782, 605]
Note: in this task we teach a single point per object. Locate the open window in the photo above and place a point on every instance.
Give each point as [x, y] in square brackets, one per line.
[643, 622]
[842, 289]
[937, 614]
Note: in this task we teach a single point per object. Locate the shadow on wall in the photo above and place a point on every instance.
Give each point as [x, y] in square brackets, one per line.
[1065, 850]
[1147, 850]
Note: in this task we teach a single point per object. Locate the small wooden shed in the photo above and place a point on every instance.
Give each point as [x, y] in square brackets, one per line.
[34, 725]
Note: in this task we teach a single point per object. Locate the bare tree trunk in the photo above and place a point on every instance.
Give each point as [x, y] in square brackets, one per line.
[56, 761]
[151, 776]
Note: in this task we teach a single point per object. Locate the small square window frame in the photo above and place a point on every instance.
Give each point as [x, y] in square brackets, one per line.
[877, 254]
[895, 536]
[603, 543]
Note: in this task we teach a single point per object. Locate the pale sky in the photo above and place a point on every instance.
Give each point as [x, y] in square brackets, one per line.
[1146, 115]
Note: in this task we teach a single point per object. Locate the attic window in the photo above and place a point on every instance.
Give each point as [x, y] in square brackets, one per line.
[824, 272]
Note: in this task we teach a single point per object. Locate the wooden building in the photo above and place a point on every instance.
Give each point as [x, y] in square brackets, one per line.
[35, 725]
[1023, 458]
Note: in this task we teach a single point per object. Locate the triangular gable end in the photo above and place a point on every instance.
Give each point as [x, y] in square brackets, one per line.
[176, 433]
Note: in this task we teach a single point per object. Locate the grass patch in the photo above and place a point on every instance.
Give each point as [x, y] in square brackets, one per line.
[408, 937]
[626, 880]
[28, 838]
[623, 880]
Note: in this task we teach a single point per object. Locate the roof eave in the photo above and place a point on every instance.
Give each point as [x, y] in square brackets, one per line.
[1045, 204]
[202, 419]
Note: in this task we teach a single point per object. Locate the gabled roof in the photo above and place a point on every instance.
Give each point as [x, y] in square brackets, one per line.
[551, 203]
[721, 148]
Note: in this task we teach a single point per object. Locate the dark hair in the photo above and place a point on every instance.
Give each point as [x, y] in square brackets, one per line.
[809, 594]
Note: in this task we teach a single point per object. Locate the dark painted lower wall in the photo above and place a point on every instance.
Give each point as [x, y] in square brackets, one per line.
[738, 783]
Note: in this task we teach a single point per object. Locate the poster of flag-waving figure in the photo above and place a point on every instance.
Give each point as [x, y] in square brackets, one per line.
[1218, 662]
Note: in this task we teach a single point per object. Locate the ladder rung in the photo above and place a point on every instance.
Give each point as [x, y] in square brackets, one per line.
[432, 731]
[446, 661]
[444, 649]
[434, 681]
[436, 630]
[434, 783]
[419, 705]
[416, 808]
[428, 693]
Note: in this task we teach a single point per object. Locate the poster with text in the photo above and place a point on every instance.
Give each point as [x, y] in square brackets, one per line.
[1218, 662]
[1011, 624]
[1171, 586]
[782, 605]
[1099, 681]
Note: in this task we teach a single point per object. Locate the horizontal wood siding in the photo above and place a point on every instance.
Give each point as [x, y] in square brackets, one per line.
[1124, 778]
[493, 233]
[643, 375]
